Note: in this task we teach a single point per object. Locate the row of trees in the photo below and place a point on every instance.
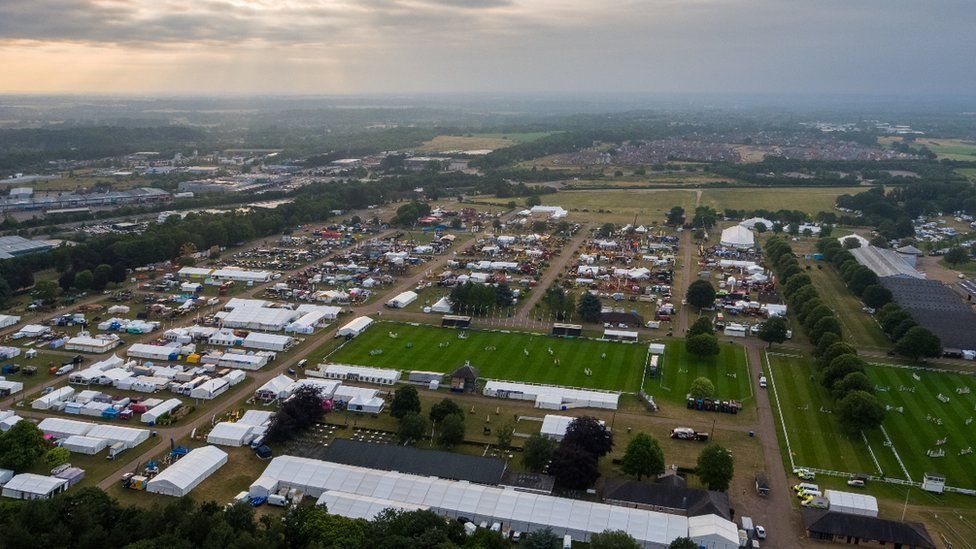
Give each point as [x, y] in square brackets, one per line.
[911, 340]
[839, 368]
[479, 299]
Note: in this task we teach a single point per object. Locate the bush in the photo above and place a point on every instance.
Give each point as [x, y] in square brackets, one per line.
[702, 387]
[702, 345]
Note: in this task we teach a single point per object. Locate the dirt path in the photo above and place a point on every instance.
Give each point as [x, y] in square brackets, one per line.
[774, 511]
[557, 267]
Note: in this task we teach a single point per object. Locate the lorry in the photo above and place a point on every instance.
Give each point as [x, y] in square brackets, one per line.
[61, 370]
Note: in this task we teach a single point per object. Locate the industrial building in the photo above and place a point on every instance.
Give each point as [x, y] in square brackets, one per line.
[16, 246]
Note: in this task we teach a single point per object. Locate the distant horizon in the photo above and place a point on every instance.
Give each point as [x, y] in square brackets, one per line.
[352, 47]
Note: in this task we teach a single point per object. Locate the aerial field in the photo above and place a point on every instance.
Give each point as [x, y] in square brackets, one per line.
[952, 149]
[463, 143]
[807, 199]
[499, 355]
[648, 205]
[816, 440]
[728, 371]
[859, 328]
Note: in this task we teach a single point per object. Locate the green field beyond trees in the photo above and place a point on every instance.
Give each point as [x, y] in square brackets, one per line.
[499, 355]
[728, 371]
[912, 423]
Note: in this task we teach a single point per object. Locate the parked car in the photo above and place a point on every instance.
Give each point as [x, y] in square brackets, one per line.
[804, 474]
[762, 381]
[760, 532]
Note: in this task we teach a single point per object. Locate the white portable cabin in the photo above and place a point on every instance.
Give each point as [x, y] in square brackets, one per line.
[31, 486]
[226, 433]
[620, 335]
[241, 275]
[656, 348]
[183, 476]
[151, 352]
[362, 374]
[81, 444]
[152, 415]
[86, 344]
[402, 300]
[355, 327]
[736, 330]
[554, 426]
[241, 361]
[852, 503]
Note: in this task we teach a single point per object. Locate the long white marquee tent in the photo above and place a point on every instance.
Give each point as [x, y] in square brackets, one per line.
[551, 397]
[521, 510]
[184, 475]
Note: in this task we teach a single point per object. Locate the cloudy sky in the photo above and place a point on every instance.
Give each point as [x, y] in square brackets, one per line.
[204, 47]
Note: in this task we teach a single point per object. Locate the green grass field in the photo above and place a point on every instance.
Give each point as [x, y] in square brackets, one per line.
[968, 172]
[647, 205]
[621, 370]
[807, 199]
[728, 371]
[860, 328]
[816, 440]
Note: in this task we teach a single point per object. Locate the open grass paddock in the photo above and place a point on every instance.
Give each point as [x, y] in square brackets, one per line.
[816, 440]
[499, 355]
[728, 371]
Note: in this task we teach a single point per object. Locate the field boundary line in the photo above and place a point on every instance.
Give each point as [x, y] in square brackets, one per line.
[874, 458]
[894, 450]
[923, 368]
[779, 410]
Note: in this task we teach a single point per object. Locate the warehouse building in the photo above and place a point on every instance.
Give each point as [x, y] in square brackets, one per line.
[522, 511]
[16, 246]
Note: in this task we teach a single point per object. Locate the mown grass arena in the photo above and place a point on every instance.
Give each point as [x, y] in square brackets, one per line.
[502, 355]
[929, 426]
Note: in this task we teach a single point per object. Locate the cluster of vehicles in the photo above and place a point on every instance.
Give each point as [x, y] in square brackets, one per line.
[687, 433]
[809, 493]
[750, 534]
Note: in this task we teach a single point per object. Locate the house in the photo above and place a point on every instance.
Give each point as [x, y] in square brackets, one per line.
[668, 494]
[826, 525]
[463, 379]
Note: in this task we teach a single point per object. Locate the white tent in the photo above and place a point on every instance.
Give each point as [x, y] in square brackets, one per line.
[8, 388]
[210, 389]
[152, 415]
[183, 476]
[8, 420]
[713, 531]
[230, 434]
[554, 426]
[402, 300]
[84, 445]
[8, 320]
[552, 397]
[128, 436]
[443, 305]
[255, 417]
[63, 428]
[31, 486]
[355, 327]
[738, 236]
[269, 342]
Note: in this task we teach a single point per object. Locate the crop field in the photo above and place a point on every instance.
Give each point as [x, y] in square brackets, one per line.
[505, 356]
[807, 199]
[621, 206]
[952, 149]
[728, 371]
[917, 421]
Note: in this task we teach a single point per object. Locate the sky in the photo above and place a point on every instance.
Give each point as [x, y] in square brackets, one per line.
[243, 47]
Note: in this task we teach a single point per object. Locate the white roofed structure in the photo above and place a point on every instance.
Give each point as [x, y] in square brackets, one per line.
[80, 444]
[554, 426]
[551, 397]
[226, 433]
[128, 436]
[738, 236]
[183, 476]
[362, 374]
[713, 532]
[267, 342]
[31, 486]
[522, 511]
[355, 327]
[58, 427]
[152, 415]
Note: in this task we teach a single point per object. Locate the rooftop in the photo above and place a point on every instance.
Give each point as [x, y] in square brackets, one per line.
[404, 459]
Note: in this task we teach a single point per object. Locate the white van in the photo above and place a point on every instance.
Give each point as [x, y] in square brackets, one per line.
[805, 486]
[567, 542]
[809, 493]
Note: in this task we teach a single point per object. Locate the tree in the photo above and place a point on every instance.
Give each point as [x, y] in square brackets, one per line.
[835, 350]
[683, 543]
[452, 430]
[957, 256]
[541, 539]
[413, 426]
[860, 411]
[102, 276]
[675, 216]
[851, 242]
[701, 325]
[861, 279]
[854, 381]
[504, 434]
[589, 434]
[701, 294]
[825, 325]
[875, 296]
[839, 368]
[902, 328]
[760, 227]
[537, 452]
[47, 291]
[702, 387]
[715, 467]
[919, 343]
[533, 200]
[825, 342]
[773, 330]
[613, 539]
[299, 412]
[21, 446]
[573, 467]
[589, 307]
[57, 456]
[84, 280]
[405, 400]
[702, 345]
[503, 295]
[643, 457]
[443, 409]
[6, 292]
